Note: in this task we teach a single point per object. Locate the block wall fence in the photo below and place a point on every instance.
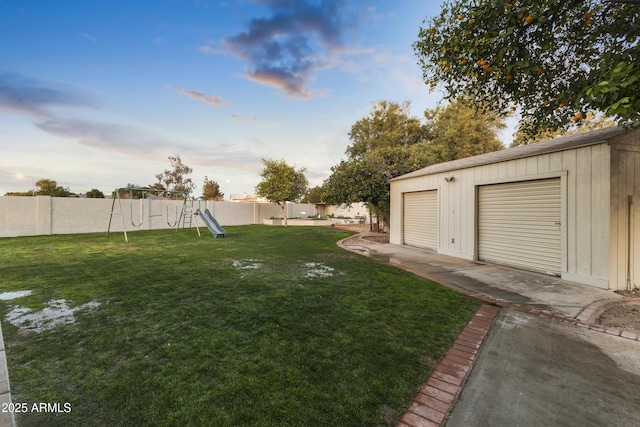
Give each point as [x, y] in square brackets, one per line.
[45, 215]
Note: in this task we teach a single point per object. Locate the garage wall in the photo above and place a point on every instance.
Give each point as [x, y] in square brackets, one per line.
[625, 212]
[585, 183]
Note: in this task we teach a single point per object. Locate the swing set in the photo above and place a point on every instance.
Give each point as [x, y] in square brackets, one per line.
[184, 218]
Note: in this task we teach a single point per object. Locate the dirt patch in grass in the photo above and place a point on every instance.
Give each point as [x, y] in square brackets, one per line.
[377, 237]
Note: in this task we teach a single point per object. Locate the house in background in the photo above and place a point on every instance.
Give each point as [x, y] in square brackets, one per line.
[568, 207]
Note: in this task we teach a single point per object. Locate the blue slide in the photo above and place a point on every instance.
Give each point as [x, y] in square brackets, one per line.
[213, 226]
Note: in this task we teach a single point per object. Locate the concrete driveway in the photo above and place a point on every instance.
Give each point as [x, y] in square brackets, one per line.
[540, 363]
[536, 371]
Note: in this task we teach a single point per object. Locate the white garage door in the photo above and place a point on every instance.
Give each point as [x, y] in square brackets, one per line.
[519, 224]
[420, 219]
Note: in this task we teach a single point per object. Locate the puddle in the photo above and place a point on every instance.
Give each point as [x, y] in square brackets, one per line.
[247, 265]
[317, 269]
[8, 296]
[57, 313]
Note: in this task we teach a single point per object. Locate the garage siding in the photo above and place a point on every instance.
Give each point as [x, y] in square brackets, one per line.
[519, 224]
[420, 219]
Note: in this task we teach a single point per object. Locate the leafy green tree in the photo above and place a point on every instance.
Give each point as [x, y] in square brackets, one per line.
[389, 124]
[555, 60]
[94, 193]
[387, 143]
[314, 195]
[281, 183]
[366, 178]
[132, 191]
[457, 131]
[19, 193]
[211, 190]
[48, 187]
[177, 178]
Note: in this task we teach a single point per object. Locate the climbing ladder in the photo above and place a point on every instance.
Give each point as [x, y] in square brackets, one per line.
[186, 215]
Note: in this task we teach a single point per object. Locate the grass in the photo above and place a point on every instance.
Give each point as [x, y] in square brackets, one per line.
[270, 326]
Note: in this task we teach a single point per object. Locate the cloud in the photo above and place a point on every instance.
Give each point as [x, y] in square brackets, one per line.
[24, 95]
[243, 119]
[27, 96]
[298, 39]
[136, 142]
[88, 37]
[207, 49]
[213, 100]
[107, 136]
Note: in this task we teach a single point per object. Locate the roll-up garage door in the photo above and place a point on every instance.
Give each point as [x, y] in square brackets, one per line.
[519, 224]
[420, 222]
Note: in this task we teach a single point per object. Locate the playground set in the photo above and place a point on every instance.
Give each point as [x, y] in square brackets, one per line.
[188, 216]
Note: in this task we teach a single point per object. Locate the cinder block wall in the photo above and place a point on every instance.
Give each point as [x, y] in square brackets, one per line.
[43, 215]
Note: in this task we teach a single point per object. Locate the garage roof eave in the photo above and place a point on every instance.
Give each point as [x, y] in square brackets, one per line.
[543, 147]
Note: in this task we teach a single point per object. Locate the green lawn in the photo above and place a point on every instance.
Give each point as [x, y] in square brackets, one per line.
[270, 326]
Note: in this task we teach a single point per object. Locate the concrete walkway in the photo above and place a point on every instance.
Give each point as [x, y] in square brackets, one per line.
[536, 359]
[6, 418]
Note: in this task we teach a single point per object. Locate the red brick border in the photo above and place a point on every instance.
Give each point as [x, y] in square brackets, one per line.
[432, 405]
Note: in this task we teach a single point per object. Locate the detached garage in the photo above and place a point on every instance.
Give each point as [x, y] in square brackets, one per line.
[568, 207]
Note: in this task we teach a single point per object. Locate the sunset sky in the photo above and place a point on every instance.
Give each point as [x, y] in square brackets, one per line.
[97, 94]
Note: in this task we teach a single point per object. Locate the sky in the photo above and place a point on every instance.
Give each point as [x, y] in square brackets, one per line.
[98, 94]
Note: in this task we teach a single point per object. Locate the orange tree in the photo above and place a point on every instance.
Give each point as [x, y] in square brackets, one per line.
[553, 60]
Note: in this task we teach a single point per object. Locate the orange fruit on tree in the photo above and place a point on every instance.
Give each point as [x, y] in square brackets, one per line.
[528, 19]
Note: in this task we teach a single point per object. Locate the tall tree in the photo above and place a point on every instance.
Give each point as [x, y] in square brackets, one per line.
[281, 183]
[457, 131]
[389, 124]
[387, 143]
[177, 178]
[366, 178]
[211, 190]
[555, 60]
